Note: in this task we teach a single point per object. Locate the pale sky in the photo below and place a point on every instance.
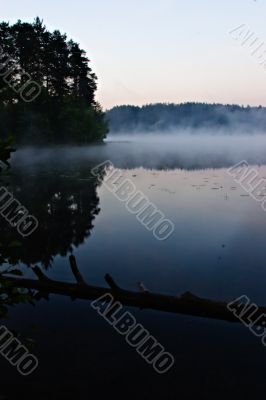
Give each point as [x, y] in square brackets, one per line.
[146, 51]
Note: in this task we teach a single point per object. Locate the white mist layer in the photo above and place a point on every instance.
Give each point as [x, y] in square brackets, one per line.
[157, 151]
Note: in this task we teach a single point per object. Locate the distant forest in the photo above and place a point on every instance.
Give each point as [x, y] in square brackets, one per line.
[47, 88]
[162, 117]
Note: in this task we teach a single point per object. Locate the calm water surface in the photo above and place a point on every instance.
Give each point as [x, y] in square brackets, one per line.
[216, 251]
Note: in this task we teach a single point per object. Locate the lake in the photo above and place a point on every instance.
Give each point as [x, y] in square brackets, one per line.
[216, 251]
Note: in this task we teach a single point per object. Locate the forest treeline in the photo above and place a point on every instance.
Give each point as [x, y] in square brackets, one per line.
[163, 117]
[47, 88]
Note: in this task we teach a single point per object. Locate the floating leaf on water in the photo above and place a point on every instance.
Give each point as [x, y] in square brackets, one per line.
[14, 243]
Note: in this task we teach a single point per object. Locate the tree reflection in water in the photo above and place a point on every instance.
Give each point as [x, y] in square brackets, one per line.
[65, 206]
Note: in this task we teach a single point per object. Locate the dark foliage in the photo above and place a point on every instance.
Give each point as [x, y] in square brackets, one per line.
[65, 110]
[164, 117]
[5, 152]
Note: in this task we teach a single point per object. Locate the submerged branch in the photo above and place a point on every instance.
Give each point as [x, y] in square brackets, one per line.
[187, 303]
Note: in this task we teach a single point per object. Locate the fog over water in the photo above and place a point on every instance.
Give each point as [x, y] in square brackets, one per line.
[216, 251]
[189, 151]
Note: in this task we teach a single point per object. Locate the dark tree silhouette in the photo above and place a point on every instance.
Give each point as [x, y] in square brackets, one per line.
[65, 110]
[164, 117]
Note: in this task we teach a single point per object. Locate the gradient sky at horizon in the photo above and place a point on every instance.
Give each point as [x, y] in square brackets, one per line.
[160, 50]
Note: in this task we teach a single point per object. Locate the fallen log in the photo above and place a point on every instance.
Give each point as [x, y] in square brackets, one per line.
[187, 303]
